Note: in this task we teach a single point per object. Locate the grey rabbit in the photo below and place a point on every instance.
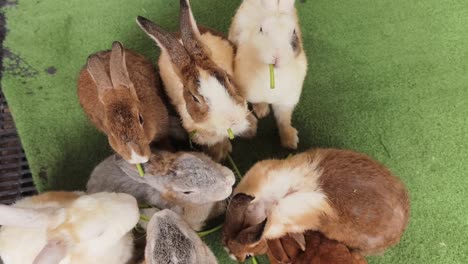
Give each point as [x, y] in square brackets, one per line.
[189, 183]
[170, 240]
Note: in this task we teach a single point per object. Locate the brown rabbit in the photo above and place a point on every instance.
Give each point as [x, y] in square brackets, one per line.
[318, 250]
[345, 195]
[120, 93]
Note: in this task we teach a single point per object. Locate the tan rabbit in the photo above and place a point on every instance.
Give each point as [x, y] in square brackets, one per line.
[267, 32]
[345, 195]
[119, 92]
[196, 67]
[68, 227]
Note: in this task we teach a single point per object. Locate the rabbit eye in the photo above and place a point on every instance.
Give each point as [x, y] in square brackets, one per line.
[195, 99]
[261, 29]
[187, 192]
[140, 119]
[294, 31]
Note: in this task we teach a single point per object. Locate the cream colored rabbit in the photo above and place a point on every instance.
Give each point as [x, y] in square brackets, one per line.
[68, 227]
[267, 32]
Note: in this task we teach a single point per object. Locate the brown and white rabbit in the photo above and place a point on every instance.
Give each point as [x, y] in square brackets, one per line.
[196, 67]
[318, 250]
[68, 227]
[345, 195]
[119, 92]
[268, 32]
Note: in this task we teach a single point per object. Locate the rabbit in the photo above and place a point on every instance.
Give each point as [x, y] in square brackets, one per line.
[68, 227]
[190, 183]
[345, 195]
[170, 240]
[266, 33]
[319, 250]
[196, 66]
[120, 94]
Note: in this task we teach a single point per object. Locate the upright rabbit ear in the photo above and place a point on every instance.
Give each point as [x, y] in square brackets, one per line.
[52, 253]
[190, 33]
[118, 67]
[286, 6]
[167, 42]
[98, 72]
[22, 217]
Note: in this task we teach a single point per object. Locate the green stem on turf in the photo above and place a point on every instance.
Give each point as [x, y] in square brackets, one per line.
[272, 76]
[191, 135]
[254, 260]
[140, 170]
[233, 165]
[209, 231]
[144, 218]
[230, 133]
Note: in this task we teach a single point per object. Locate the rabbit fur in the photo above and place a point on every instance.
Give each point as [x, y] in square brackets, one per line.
[196, 66]
[68, 227]
[345, 195]
[267, 32]
[120, 93]
[189, 183]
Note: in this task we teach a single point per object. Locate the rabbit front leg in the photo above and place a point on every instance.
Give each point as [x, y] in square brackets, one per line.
[220, 150]
[261, 109]
[288, 134]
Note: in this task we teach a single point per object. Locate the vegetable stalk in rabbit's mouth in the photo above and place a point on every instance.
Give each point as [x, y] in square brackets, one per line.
[272, 76]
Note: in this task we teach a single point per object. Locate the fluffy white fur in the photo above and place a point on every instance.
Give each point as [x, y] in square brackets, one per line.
[135, 158]
[223, 111]
[93, 229]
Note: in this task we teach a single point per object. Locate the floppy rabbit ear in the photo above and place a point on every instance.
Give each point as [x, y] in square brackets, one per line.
[235, 214]
[118, 67]
[52, 253]
[98, 72]
[286, 6]
[190, 33]
[252, 234]
[22, 217]
[167, 42]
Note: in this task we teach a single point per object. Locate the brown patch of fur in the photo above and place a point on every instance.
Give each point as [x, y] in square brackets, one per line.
[63, 198]
[319, 250]
[161, 163]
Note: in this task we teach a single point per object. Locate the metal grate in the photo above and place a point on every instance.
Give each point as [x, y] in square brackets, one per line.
[15, 176]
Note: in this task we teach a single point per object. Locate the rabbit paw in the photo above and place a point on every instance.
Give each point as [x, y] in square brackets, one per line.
[261, 109]
[252, 130]
[219, 151]
[289, 137]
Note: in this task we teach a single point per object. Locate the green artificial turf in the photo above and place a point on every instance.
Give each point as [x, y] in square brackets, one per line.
[387, 77]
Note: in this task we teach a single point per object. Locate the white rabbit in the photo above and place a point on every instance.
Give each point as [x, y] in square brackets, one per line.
[68, 227]
[267, 32]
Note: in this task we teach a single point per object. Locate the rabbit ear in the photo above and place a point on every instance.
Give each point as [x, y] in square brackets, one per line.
[98, 72]
[286, 6]
[252, 234]
[118, 67]
[167, 42]
[52, 253]
[22, 217]
[171, 240]
[235, 214]
[190, 33]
